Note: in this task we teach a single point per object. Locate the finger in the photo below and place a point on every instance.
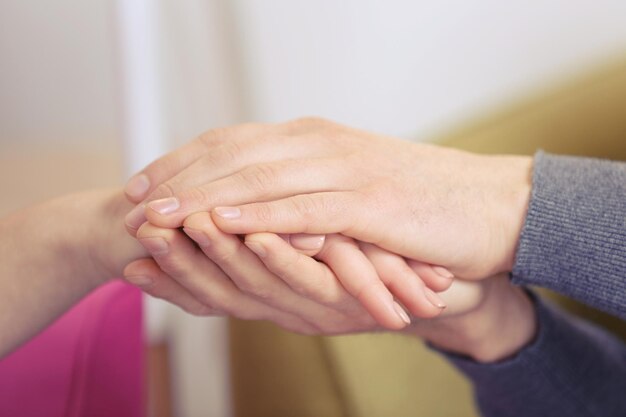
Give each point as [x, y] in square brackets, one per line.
[329, 212]
[146, 181]
[403, 282]
[359, 278]
[179, 258]
[306, 244]
[146, 274]
[436, 278]
[246, 270]
[199, 189]
[306, 276]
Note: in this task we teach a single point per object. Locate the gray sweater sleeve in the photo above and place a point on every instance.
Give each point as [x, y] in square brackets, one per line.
[574, 242]
[574, 237]
[572, 368]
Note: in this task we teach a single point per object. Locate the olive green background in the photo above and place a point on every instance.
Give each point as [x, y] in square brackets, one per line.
[276, 373]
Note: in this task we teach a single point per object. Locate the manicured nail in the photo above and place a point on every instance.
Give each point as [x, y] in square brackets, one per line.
[137, 186]
[228, 212]
[155, 245]
[165, 205]
[434, 298]
[307, 242]
[136, 217]
[442, 272]
[257, 248]
[140, 280]
[198, 236]
[400, 311]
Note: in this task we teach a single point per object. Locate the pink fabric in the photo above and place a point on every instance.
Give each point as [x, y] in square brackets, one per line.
[88, 363]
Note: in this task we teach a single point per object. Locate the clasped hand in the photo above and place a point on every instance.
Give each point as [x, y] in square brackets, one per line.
[367, 222]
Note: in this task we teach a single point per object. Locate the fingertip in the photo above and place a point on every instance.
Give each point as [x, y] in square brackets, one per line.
[169, 220]
[442, 272]
[432, 275]
[137, 187]
[401, 313]
[308, 244]
[198, 221]
[434, 299]
[138, 267]
[257, 247]
[134, 219]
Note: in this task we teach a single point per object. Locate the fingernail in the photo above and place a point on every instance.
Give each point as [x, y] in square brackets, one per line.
[257, 248]
[228, 212]
[140, 280]
[434, 298]
[198, 236]
[137, 186]
[155, 245]
[400, 311]
[165, 205]
[442, 272]
[136, 217]
[307, 242]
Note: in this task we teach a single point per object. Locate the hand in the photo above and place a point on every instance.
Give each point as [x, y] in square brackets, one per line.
[219, 274]
[439, 206]
[274, 286]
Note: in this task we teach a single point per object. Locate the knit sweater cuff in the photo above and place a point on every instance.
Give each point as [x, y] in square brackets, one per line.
[574, 237]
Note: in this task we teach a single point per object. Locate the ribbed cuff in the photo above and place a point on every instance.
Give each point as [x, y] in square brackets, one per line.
[574, 237]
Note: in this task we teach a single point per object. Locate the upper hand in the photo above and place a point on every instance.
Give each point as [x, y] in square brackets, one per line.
[441, 206]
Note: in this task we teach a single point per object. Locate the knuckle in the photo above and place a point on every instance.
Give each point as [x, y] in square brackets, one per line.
[196, 195]
[261, 178]
[163, 190]
[213, 137]
[264, 213]
[307, 207]
[224, 255]
[229, 152]
[308, 122]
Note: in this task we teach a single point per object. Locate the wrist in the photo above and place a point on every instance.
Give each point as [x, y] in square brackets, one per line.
[515, 192]
[506, 330]
[94, 236]
[497, 327]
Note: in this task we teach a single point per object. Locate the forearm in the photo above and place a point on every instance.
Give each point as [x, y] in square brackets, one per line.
[49, 259]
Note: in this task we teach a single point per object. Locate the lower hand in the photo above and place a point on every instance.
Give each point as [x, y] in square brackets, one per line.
[302, 295]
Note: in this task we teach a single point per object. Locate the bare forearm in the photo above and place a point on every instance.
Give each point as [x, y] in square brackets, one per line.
[50, 257]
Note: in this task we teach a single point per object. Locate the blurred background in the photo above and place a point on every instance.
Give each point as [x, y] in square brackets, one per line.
[90, 91]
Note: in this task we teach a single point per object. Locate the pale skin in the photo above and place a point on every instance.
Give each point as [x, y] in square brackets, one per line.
[53, 254]
[487, 320]
[458, 213]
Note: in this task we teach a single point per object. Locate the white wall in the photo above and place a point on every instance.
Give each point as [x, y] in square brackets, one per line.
[410, 67]
[56, 72]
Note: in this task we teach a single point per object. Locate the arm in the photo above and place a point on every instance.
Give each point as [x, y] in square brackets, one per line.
[53, 254]
[574, 237]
